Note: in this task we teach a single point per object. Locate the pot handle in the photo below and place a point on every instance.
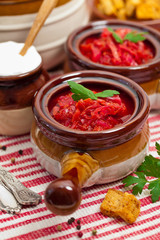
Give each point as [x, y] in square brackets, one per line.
[63, 196]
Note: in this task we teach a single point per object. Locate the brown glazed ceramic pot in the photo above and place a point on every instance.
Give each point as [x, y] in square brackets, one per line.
[97, 15]
[88, 157]
[16, 95]
[147, 75]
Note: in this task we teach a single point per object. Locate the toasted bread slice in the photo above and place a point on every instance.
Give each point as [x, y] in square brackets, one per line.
[130, 209]
[119, 204]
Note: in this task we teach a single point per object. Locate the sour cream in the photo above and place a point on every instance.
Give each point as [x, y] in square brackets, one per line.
[12, 63]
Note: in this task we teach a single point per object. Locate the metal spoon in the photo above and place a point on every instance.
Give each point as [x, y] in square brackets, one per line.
[23, 195]
[7, 201]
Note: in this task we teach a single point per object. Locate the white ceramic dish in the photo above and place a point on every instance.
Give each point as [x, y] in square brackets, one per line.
[51, 38]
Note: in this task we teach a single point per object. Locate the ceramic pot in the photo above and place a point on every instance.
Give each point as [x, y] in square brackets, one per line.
[146, 75]
[89, 157]
[16, 95]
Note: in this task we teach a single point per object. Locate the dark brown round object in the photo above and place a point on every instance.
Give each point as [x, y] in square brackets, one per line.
[62, 196]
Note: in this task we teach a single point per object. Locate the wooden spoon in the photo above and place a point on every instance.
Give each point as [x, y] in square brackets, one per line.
[45, 9]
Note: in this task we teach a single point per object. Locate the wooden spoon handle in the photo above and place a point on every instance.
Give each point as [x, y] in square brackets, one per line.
[45, 9]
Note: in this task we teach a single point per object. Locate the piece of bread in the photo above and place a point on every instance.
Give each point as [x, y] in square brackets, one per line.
[119, 204]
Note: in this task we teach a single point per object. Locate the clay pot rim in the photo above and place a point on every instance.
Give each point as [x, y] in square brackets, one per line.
[21, 76]
[100, 15]
[80, 34]
[46, 123]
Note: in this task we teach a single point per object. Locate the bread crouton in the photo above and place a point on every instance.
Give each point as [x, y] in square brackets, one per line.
[118, 204]
[111, 203]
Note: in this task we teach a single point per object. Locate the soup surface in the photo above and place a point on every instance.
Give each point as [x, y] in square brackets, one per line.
[91, 114]
[122, 47]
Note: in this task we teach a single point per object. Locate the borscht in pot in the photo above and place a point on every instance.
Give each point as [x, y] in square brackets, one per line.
[127, 48]
[90, 128]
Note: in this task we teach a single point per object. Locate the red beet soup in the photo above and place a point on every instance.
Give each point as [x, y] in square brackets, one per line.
[91, 114]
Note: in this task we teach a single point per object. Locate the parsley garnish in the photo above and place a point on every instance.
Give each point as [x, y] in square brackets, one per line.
[135, 37]
[132, 36]
[80, 92]
[115, 35]
[151, 168]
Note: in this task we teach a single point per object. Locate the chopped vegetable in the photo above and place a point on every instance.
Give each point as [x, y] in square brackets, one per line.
[122, 47]
[115, 35]
[149, 168]
[91, 114]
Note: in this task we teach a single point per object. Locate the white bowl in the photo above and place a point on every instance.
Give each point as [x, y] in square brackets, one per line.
[51, 38]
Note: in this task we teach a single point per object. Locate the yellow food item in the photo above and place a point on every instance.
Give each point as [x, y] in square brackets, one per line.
[118, 4]
[121, 14]
[107, 7]
[130, 9]
[148, 10]
[118, 204]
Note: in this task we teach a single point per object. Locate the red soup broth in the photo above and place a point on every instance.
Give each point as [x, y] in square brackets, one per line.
[104, 49]
[91, 115]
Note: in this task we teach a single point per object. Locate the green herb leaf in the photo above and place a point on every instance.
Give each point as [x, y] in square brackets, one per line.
[140, 182]
[135, 37]
[80, 92]
[158, 148]
[155, 190]
[132, 36]
[107, 93]
[150, 167]
[115, 35]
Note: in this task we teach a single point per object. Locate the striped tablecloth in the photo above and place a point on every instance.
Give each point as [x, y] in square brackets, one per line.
[39, 223]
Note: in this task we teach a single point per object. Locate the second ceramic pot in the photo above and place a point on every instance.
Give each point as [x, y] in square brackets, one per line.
[146, 75]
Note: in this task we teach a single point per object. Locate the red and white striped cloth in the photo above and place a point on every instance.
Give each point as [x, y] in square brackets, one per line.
[39, 223]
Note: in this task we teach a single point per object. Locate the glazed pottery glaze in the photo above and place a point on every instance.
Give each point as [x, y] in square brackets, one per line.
[16, 95]
[146, 75]
[90, 157]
